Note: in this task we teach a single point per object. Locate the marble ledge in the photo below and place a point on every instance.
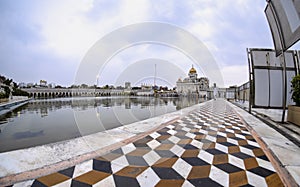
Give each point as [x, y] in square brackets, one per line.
[285, 150]
[34, 158]
[295, 172]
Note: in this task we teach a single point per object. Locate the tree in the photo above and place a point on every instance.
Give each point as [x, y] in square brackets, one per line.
[2, 78]
[136, 88]
[296, 89]
[84, 86]
[15, 85]
[93, 87]
[2, 95]
[8, 82]
[74, 86]
[7, 91]
[19, 92]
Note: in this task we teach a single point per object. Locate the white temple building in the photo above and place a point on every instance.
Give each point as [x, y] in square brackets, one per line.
[193, 86]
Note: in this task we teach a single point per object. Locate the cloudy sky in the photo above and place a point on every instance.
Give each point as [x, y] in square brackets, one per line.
[49, 39]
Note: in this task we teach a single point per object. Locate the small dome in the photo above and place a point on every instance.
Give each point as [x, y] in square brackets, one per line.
[192, 70]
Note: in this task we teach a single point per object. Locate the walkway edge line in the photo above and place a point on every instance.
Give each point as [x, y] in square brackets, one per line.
[277, 152]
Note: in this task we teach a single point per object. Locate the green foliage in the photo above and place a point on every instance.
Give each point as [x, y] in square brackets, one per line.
[74, 86]
[84, 86]
[3, 95]
[136, 88]
[5, 80]
[6, 93]
[2, 78]
[92, 87]
[7, 88]
[18, 92]
[8, 82]
[296, 89]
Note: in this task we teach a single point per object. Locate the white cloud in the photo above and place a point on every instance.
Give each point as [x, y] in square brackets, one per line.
[208, 21]
[64, 27]
[235, 75]
[69, 28]
[167, 10]
[227, 28]
[137, 53]
[70, 32]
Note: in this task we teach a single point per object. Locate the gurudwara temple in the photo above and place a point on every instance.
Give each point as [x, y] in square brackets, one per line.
[193, 86]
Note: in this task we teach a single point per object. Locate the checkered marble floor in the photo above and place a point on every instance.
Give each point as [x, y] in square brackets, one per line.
[208, 147]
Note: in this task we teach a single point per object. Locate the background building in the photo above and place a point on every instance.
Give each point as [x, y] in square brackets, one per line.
[43, 83]
[127, 85]
[193, 86]
[22, 85]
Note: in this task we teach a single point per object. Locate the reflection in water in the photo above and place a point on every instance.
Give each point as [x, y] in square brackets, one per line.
[28, 134]
[46, 121]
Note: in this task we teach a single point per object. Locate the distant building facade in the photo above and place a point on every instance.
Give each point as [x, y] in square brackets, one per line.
[51, 85]
[216, 92]
[30, 85]
[192, 85]
[43, 83]
[22, 85]
[127, 85]
[146, 90]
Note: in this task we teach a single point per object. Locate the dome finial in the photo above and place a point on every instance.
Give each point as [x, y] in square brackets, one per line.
[192, 70]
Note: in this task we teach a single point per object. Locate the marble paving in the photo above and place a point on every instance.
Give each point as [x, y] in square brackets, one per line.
[211, 146]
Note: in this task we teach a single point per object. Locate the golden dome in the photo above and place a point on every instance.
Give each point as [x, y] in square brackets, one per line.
[192, 70]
